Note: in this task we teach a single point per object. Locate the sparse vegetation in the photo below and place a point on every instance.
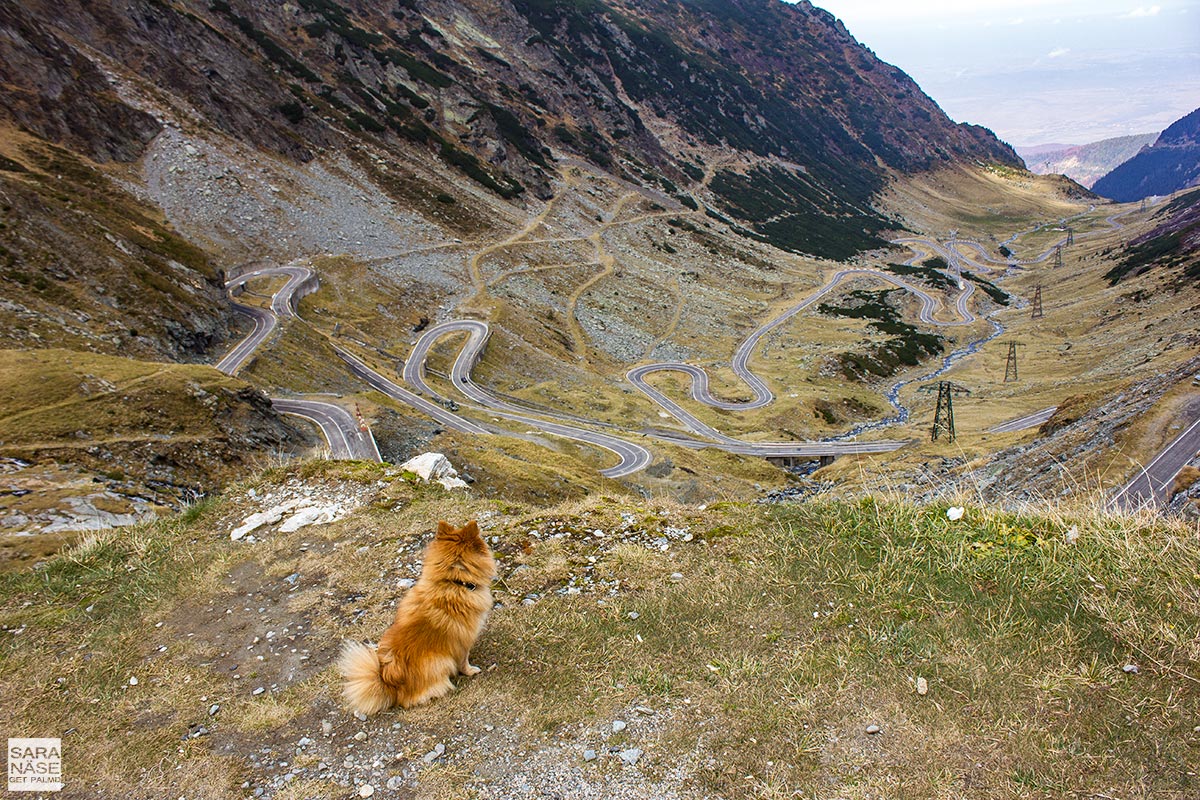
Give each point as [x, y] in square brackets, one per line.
[798, 625]
[907, 347]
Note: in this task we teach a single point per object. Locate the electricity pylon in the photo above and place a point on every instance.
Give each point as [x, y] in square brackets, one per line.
[1010, 369]
[943, 418]
[1037, 303]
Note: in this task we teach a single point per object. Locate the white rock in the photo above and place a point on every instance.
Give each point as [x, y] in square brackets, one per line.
[133, 681]
[631, 755]
[268, 517]
[434, 467]
[922, 686]
[873, 729]
[618, 725]
[317, 515]
[366, 790]
[955, 513]
[434, 754]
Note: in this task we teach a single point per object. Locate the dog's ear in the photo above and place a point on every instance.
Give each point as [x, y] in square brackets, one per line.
[471, 529]
[444, 529]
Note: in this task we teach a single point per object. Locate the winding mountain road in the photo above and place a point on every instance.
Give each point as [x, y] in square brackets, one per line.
[347, 437]
[347, 440]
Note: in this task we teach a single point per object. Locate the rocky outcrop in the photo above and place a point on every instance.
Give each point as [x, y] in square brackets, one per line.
[54, 91]
[1076, 443]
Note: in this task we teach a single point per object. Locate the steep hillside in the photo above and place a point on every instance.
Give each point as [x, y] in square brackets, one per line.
[805, 122]
[1173, 242]
[1084, 163]
[1170, 164]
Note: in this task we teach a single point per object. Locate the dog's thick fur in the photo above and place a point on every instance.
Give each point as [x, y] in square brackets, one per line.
[437, 622]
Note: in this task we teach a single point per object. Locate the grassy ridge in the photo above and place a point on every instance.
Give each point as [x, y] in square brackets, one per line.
[797, 625]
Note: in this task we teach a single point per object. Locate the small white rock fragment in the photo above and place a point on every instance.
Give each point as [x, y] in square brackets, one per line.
[366, 790]
[676, 576]
[213, 709]
[922, 686]
[258, 691]
[589, 755]
[1072, 535]
[873, 729]
[1130, 669]
[634, 615]
[434, 754]
[361, 736]
[955, 513]
[133, 681]
[326, 728]
[618, 725]
[631, 755]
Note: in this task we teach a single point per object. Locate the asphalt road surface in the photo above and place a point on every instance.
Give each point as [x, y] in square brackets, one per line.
[1027, 421]
[1148, 489]
[346, 439]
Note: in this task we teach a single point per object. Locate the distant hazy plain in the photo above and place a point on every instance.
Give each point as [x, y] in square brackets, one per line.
[1069, 71]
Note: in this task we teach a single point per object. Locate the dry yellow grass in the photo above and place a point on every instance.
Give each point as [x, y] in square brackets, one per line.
[758, 642]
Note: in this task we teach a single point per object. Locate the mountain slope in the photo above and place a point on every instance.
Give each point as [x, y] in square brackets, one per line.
[1173, 242]
[644, 89]
[1170, 164]
[1084, 163]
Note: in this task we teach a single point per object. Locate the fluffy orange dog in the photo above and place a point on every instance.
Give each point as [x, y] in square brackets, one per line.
[436, 624]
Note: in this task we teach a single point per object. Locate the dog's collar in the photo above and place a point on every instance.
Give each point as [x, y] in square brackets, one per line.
[470, 587]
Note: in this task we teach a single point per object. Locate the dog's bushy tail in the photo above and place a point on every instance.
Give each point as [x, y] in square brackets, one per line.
[364, 691]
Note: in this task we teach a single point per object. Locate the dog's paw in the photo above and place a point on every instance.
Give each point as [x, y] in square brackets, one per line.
[471, 669]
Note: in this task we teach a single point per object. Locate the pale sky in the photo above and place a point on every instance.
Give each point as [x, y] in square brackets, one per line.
[1040, 71]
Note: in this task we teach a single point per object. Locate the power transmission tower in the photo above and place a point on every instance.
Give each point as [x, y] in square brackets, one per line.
[1037, 303]
[1010, 369]
[1143, 204]
[1070, 236]
[943, 418]
[1058, 256]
